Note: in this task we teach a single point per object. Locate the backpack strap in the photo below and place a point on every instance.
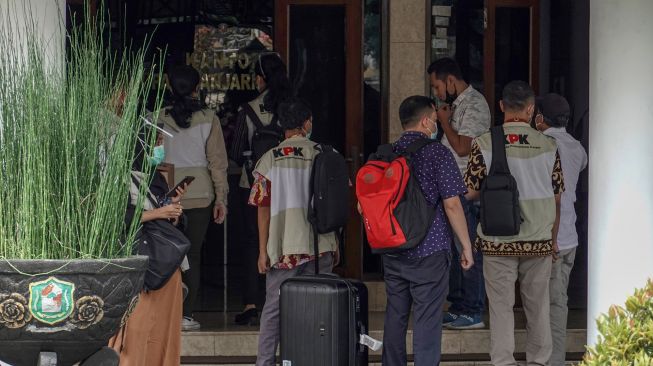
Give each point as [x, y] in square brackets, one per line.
[239, 143]
[385, 150]
[252, 116]
[499, 159]
[416, 146]
[413, 148]
[149, 195]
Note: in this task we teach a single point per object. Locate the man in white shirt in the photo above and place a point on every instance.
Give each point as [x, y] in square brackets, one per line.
[463, 115]
[551, 119]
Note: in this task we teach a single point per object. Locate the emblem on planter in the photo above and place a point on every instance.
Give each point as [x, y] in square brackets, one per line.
[51, 300]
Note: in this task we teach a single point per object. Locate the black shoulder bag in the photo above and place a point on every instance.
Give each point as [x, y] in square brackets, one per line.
[165, 246]
[500, 212]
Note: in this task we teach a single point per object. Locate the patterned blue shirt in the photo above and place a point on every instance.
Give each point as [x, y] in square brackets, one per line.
[439, 177]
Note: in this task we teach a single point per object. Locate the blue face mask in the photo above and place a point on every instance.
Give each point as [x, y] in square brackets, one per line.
[434, 134]
[158, 155]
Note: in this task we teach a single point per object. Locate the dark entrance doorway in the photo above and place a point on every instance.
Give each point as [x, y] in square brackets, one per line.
[321, 41]
[512, 47]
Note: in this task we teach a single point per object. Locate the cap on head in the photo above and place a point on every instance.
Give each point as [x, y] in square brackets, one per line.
[554, 108]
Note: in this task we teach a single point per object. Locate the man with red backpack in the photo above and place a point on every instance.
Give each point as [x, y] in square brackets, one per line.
[419, 276]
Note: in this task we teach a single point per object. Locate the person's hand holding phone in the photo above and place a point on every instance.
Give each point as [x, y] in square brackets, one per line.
[180, 190]
[175, 193]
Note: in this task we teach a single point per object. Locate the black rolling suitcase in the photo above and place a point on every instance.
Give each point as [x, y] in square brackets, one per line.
[323, 317]
[322, 320]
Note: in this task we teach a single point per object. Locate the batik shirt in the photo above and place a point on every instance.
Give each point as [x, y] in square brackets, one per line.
[535, 164]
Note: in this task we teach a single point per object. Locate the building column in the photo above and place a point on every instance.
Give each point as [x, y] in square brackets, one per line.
[49, 19]
[407, 53]
[620, 153]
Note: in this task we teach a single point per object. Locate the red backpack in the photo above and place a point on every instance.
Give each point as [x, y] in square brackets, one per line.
[395, 212]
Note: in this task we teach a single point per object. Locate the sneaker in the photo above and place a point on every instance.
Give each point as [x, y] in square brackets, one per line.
[188, 323]
[448, 318]
[467, 322]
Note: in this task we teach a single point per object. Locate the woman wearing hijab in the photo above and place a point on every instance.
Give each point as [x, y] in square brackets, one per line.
[195, 148]
[274, 87]
[152, 334]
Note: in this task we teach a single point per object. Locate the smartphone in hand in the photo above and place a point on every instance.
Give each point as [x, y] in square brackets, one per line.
[187, 180]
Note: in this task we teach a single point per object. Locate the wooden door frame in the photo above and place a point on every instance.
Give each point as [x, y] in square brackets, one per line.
[353, 110]
[489, 45]
[92, 4]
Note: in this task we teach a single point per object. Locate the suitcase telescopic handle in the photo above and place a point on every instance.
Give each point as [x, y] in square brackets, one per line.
[316, 250]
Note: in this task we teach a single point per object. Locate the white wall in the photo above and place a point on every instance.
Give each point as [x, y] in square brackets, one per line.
[47, 15]
[621, 152]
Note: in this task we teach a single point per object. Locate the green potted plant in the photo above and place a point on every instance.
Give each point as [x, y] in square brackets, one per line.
[626, 333]
[68, 276]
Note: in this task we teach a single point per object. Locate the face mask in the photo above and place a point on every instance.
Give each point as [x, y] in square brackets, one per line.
[308, 133]
[450, 98]
[158, 156]
[434, 134]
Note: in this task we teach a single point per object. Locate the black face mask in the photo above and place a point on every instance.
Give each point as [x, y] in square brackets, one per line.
[450, 98]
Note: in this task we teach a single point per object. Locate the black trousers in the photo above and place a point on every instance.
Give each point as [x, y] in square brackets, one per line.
[198, 220]
[249, 249]
[424, 284]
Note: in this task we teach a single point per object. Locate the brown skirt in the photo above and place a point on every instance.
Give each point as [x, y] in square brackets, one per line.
[152, 335]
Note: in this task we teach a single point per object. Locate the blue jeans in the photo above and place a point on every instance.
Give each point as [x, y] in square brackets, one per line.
[467, 288]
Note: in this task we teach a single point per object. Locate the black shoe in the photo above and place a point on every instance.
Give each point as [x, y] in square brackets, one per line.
[247, 317]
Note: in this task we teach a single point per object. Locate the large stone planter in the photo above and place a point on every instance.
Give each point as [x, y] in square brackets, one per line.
[71, 307]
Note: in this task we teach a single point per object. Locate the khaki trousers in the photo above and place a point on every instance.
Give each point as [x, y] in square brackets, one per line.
[558, 291]
[152, 335]
[533, 274]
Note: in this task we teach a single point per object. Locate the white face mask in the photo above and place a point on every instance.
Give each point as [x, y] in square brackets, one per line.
[308, 133]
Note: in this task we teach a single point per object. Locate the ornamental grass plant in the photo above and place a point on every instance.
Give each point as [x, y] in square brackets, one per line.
[625, 333]
[68, 132]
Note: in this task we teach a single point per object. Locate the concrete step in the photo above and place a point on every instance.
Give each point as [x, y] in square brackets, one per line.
[453, 342]
[454, 363]
[221, 338]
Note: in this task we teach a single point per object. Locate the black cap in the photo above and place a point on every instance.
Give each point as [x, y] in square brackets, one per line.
[554, 108]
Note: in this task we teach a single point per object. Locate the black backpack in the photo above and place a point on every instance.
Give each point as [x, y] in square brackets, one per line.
[328, 209]
[264, 137]
[500, 212]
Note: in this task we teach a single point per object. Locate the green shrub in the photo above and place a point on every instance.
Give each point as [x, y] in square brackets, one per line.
[66, 147]
[626, 334]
